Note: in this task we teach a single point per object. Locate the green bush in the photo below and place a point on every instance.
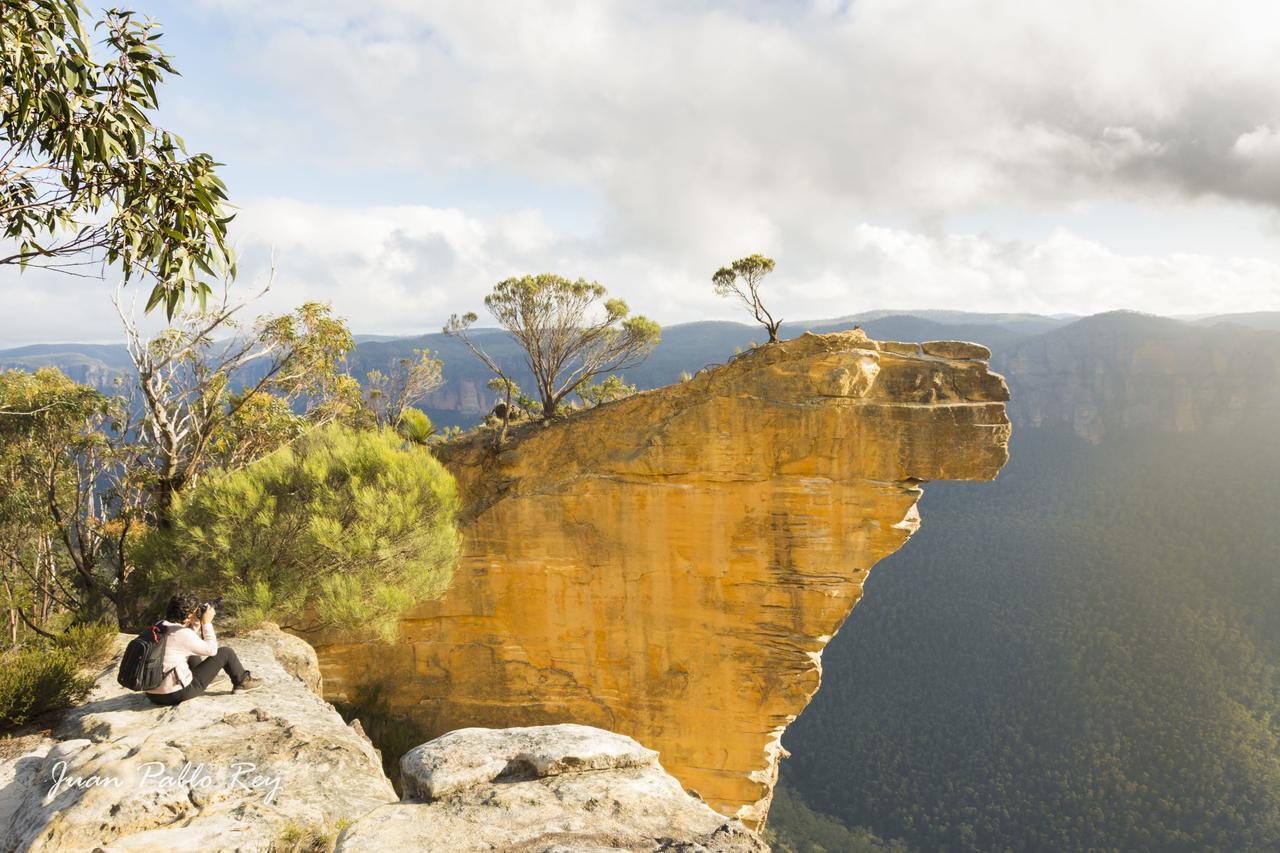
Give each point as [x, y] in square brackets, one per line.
[415, 426]
[308, 838]
[341, 530]
[89, 643]
[37, 679]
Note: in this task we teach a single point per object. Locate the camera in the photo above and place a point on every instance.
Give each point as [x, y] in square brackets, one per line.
[215, 604]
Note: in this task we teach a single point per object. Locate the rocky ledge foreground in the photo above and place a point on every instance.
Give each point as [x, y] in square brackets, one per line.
[223, 771]
[259, 771]
[670, 566]
[545, 788]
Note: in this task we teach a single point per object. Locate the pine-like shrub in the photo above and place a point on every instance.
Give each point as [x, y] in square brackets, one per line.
[342, 530]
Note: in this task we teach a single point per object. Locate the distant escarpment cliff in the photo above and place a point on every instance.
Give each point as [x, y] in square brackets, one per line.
[670, 566]
[1126, 371]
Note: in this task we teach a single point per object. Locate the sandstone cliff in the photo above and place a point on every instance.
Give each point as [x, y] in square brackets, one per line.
[671, 566]
[276, 769]
[1121, 371]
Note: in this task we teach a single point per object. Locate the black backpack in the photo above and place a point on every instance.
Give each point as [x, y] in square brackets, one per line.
[142, 667]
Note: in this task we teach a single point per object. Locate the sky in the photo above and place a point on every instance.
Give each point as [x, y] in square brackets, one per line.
[397, 158]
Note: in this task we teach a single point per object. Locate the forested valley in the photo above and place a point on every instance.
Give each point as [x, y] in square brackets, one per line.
[1084, 654]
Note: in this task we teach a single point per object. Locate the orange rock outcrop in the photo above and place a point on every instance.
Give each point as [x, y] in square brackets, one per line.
[670, 566]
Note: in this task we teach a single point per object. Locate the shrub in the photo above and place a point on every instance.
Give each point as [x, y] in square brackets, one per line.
[88, 643]
[37, 679]
[415, 426]
[307, 838]
[342, 529]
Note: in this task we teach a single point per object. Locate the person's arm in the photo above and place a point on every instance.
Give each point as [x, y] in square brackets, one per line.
[203, 640]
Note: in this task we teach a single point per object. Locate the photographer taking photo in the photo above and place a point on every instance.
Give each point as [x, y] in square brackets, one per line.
[192, 658]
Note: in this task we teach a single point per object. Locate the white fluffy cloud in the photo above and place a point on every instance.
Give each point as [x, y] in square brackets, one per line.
[646, 143]
[893, 105]
[404, 269]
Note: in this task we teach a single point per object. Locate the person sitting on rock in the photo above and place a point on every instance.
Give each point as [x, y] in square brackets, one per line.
[192, 658]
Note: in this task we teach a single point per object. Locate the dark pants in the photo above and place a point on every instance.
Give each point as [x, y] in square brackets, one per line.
[203, 672]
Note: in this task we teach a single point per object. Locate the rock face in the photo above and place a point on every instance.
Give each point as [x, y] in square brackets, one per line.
[670, 566]
[220, 772]
[1120, 371]
[562, 788]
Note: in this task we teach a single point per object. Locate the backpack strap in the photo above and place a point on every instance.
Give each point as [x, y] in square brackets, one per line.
[159, 630]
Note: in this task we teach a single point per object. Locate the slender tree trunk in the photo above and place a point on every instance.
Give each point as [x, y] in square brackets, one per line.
[13, 612]
[506, 416]
[46, 578]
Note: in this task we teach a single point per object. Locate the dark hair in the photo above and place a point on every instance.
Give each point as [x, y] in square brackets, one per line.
[180, 607]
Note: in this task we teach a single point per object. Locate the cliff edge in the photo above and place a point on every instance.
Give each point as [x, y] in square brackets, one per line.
[670, 566]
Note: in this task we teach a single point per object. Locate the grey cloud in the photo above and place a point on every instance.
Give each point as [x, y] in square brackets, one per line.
[692, 119]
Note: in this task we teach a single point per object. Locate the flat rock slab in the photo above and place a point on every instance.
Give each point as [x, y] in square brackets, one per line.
[224, 771]
[465, 758]
[543, 788]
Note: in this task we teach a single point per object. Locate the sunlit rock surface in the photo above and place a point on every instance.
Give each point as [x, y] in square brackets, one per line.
[223, 771]
[562, 788]
[670, 566]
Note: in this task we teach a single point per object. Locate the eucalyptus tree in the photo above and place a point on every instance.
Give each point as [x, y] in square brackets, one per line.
[193, 415]
[741, 280]
[570, 332]
[87, 179]
[69, 491]
[407, 380]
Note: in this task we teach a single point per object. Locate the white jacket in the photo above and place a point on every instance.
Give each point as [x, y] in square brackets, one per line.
[180, 645]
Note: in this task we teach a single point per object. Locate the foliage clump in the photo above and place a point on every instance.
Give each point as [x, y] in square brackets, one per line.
[569, 330]
[613, 387]
[47, 675]
[87, 175]
[341, 530]
[298, 837]
[741, 280]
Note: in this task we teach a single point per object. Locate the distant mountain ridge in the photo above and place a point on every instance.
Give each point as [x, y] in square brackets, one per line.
[1093, 375]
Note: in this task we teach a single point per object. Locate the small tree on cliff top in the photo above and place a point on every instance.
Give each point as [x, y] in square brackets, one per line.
[742, 279]
[569, 331]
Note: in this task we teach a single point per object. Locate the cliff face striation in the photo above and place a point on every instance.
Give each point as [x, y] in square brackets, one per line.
[1124, 371]
[670, 566]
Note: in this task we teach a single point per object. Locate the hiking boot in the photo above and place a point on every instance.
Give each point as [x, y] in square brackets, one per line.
[248, 683]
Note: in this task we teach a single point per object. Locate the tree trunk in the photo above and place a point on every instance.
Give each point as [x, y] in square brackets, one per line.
[506, 416]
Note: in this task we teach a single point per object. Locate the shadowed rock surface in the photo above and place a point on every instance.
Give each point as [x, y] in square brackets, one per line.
[670, 566]
[544, 788]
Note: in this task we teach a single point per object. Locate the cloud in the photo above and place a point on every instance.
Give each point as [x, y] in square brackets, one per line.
[404, 269]
[645, 144]
[703, 109]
